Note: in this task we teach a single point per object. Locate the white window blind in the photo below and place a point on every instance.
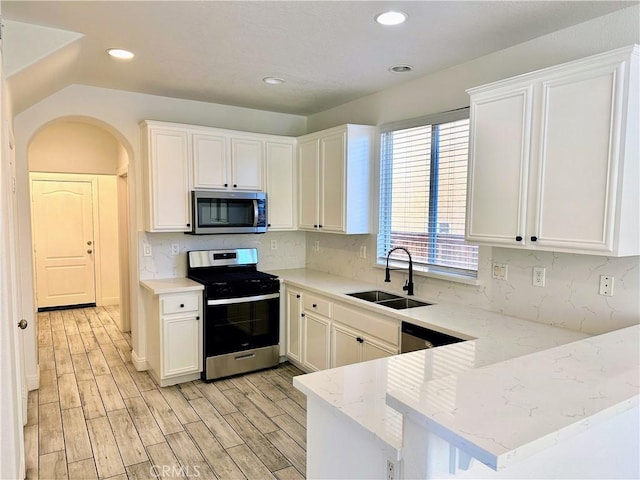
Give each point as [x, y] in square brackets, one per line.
[423, 181]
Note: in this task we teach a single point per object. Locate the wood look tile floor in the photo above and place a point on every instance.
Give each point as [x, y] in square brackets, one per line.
[95, 416]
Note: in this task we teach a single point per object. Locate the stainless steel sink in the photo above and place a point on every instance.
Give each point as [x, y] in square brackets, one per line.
[388, 299]
[374, 296]
[402, 303]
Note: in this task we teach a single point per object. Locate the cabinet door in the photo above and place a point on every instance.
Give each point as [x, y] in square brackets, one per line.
[280, 185]
[181, 345]
[169, 180]
[346, 346]
[372, 350]
[308, 184]
[294, 332]
[332, 182]
[246, 164]
[315, 350]
[499, 166]
[210, 161]
[578, 160]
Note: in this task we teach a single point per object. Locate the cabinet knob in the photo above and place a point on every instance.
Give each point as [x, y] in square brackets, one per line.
[182, 305]
[89, 251]
[188, 224]
[315, 226]
[519, 238]
[534, 238]
[235, 186]
[198, 318]
[226, 184]
[359, 340]
[315, 305]
[297, 296]
[319, 226]
[302, 314]
[269, 225]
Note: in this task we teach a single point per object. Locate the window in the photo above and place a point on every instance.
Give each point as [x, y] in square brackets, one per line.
[423, 186]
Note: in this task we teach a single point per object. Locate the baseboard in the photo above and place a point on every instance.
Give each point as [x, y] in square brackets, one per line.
[33, 380]
[140, 364]
[108, 301]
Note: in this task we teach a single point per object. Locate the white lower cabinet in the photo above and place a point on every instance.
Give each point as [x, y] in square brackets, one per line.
[315, 351]
[294, 325]
[174, 337]
[372, 336]
[323, 333]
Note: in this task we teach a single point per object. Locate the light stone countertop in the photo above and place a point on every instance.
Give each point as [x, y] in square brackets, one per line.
[507, 358]
[161, 286]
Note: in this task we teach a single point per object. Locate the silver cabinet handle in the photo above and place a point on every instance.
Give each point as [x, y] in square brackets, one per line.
[23, 324]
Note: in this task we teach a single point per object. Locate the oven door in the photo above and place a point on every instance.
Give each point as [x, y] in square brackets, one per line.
[237, 324]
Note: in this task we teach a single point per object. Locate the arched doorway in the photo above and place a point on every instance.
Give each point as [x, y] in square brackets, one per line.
[79, 182]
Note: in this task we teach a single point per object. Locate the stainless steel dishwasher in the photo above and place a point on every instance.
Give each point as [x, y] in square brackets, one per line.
[415, 338]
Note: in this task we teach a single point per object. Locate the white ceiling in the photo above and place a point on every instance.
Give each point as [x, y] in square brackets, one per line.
[329, 52]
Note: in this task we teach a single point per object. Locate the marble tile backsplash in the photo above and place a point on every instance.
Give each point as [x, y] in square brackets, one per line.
[570, 298]
[290, 251]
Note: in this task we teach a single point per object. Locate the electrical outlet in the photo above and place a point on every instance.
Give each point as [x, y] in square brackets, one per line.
[175, 249]
[606, 285]
[499, 271]
[390, 470]
[538, 276]
[274, 244]
[146, 250]
[363, 251]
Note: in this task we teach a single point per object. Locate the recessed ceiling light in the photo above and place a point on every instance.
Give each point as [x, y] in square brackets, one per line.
[273, 80]
[400, 68]
[391, 18]
[120, 53]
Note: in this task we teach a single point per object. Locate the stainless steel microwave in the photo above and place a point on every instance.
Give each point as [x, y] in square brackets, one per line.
[228, 212]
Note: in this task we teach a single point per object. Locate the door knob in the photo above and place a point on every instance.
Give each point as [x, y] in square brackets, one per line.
[23, 324]
[89, 251]
[89, 242]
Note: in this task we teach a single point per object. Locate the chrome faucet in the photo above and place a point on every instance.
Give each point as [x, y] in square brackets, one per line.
[387, 276]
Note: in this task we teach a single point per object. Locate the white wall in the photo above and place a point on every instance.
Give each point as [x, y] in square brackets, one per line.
[119, 113]
[571, 296]
[74, 147]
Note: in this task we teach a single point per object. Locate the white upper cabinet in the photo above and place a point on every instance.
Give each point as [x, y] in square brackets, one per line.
[280, 183]
[334, 179]
[247, 159]
[167, 172]
[210, 160]
[180, 158]
[225, 162]
[554, 158]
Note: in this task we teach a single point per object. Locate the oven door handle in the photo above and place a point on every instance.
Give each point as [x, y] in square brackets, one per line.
[230, 301]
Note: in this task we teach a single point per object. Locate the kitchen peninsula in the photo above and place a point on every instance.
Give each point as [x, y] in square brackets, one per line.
[520, 398]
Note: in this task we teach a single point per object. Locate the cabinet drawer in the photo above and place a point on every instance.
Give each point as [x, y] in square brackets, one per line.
[384, 329]
[179, 303]
[316, 304]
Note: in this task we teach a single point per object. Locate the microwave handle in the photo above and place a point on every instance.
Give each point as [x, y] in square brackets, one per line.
[255, 213]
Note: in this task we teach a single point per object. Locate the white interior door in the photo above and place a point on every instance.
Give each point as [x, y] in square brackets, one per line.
[63, 242]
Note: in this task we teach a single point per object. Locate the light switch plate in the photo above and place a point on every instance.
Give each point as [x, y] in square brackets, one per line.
[499, 271]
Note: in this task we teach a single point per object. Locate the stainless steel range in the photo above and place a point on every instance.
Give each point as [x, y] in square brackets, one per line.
[241, 311]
